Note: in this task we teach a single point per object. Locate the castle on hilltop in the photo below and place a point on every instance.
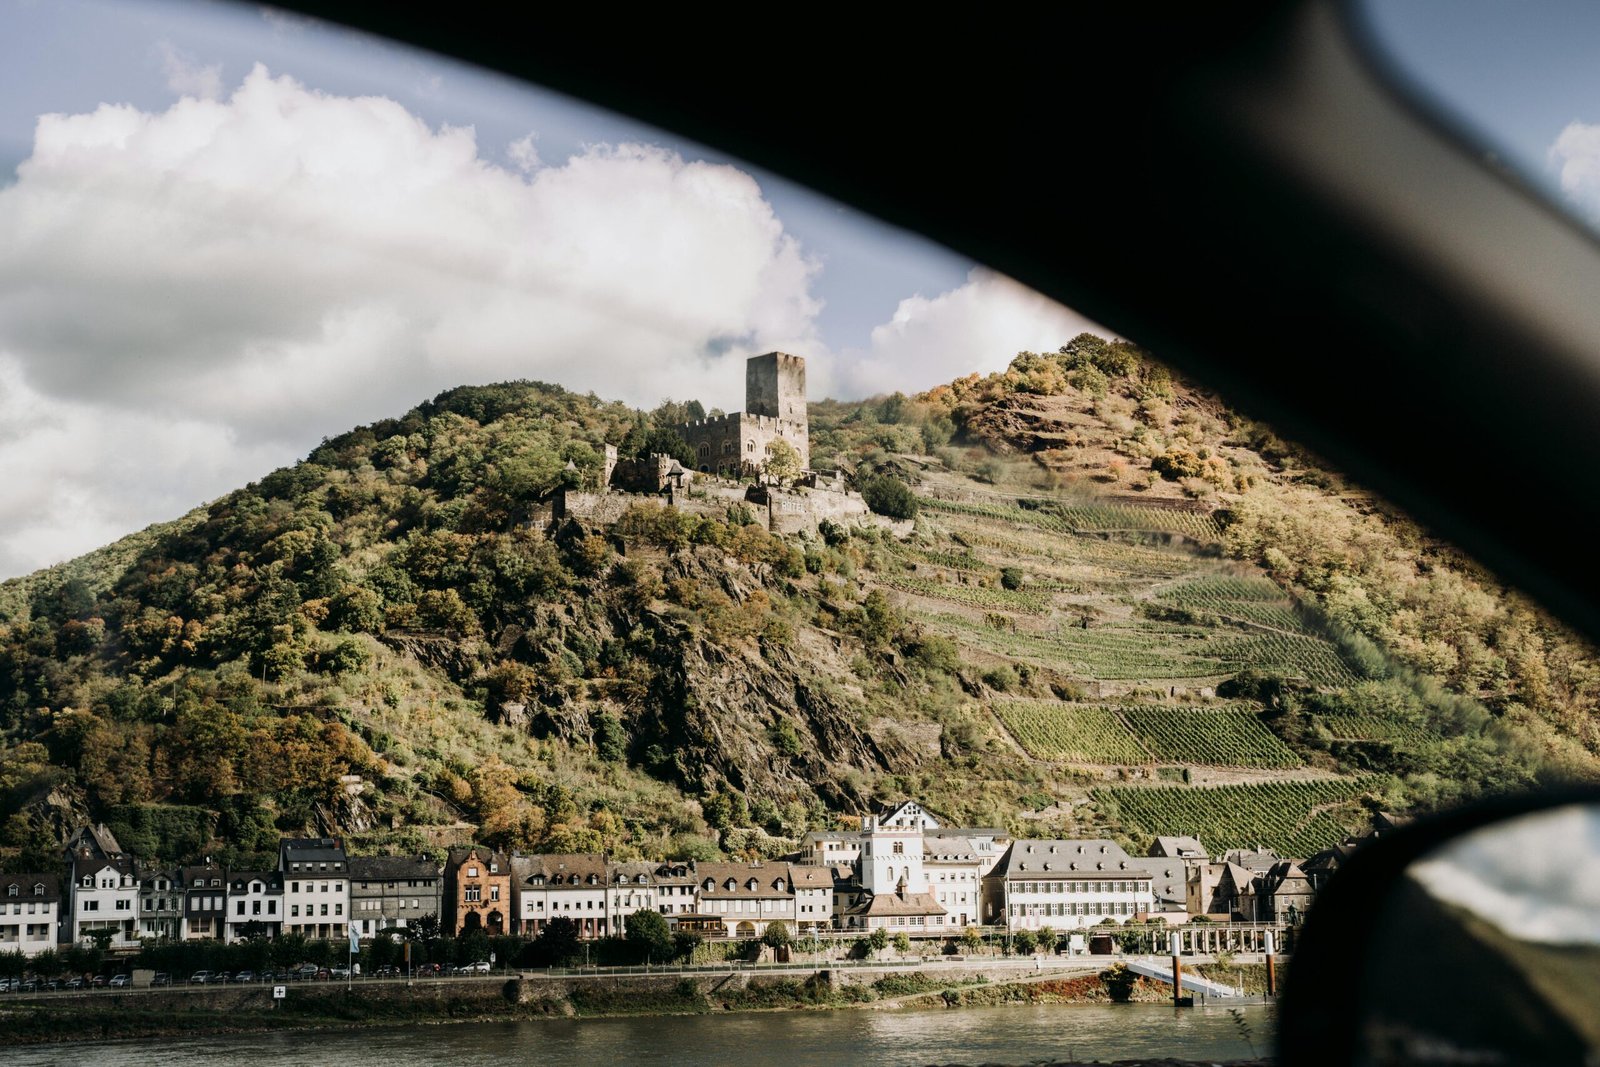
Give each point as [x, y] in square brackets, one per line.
[775, 410]
[726, 449]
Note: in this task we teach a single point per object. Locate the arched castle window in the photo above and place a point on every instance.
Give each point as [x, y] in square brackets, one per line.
[751, 447]
[704, 449]
[727, 448]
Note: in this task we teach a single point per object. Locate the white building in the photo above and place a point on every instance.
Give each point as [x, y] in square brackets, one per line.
[1065, 885]
[105, 899]
[813, 896]
[830, 848]
[675, 888]
[955, 871]
[316, 892]
[894, 885]
[572, 886]
[255, 904]
[633, 888]
[745, 898]
[30, 910]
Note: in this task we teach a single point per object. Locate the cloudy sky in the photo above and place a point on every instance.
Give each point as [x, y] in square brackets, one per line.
[226, 234]
[1536, 877]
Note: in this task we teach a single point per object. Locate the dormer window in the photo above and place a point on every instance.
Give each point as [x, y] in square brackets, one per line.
[38, 889]
[710, 885]
[11, 890]
[751, 885]
[778, 885]
[472, 872]
[732, 885]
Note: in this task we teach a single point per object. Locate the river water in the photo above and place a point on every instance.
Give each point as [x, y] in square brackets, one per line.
[1014, 1034]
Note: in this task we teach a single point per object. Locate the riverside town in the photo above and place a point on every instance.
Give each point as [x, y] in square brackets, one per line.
[106, 918]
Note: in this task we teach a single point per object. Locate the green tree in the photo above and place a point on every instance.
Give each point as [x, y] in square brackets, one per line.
[878, 939]
[902, 942]
[972, 938]
[557, 943]
[1023, 942]
[890, 496]
[650, 935]
[783, 462]
[776, 936]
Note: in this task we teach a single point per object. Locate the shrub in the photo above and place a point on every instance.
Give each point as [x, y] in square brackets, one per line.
[890, 496]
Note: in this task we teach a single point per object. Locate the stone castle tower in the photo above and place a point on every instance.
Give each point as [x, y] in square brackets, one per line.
[775, 410]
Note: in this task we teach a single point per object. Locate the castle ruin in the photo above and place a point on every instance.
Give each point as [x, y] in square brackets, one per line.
[775, 410]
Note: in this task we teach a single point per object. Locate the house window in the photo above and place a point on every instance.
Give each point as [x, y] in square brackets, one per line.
[472, 872]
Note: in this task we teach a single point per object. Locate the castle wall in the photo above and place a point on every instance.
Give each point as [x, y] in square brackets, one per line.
[735, 445]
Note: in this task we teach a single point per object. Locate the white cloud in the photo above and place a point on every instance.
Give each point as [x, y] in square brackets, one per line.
[1576, 154]
[78, 476]
[191, 297]
[186, 76]
[979, 326]
[1536, 877]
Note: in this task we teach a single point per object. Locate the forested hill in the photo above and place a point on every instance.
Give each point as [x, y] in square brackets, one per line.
[1121, 610]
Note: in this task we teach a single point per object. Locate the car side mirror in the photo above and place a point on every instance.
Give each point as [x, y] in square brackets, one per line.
[1469, 938]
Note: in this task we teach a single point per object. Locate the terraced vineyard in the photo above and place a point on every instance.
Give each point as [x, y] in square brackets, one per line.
[1227, 735]
[1372, 728]
[1076, 733]
[1086, 516]
[1256, 600]
[1232, 738]
[1291, 817]
[975, 596]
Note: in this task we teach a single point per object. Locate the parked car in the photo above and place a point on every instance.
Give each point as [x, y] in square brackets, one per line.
[480, 967]
[388, 970]
[75, 982]
[97, 981]
[120, 981]
[245, 976]
[270, 976]
[339, 972]
[323, 974]
[305, 971]
[202, 978]
[52, 984]
[29, 985]
[162, 978]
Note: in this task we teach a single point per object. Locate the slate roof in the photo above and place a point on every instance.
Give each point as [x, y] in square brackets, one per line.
[311, 850]
[392, 868]
[947, 848]
[1089, 858]
[629, 873]
[239, 881]
[25, 883]
[1258, 860]
[1168, 879]
[1178, 848]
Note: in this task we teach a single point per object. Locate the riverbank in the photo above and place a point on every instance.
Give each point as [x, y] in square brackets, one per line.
[149, 1014]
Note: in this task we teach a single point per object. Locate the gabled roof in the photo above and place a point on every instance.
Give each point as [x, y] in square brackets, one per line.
[458, 856]
[886, 813]
[893, 904]
[807, 877]
[97, 839]
[1280, 873]
[1258, 860]
[239, 881]
[392, 868]
[1178, 848]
